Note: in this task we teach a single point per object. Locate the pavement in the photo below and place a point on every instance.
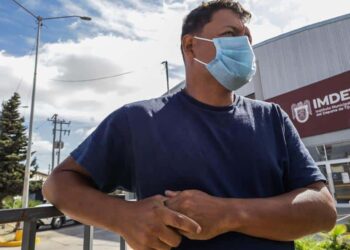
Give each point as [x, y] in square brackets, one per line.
[70, 237]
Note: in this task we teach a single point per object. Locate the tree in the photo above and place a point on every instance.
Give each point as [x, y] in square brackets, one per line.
[13, 149]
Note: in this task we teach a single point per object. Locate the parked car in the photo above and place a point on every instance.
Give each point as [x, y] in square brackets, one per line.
[54, 222]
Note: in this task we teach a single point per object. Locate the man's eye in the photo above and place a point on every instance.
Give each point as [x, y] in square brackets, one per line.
[229, 33]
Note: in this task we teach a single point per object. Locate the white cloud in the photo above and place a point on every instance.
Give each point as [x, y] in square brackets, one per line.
[128, 36]
[77, 60]
[32, 3]
[41, 145]
[271, 17]
[85, 132]
[79, 131]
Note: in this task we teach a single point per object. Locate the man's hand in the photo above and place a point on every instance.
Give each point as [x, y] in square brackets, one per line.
[145, 225]
[205, 209]
[151, 225]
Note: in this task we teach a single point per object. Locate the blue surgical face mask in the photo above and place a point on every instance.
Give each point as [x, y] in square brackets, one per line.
[234, 64]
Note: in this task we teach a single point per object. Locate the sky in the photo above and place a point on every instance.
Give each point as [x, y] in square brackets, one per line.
[124, 36]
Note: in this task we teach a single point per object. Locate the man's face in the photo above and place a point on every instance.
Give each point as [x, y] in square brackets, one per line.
[224, 23]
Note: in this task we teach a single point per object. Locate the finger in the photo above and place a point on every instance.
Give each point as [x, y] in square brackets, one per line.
[160, 245]
[173, 204]
[160, 200]
[179, 221]
[170, 193]
[170, 237]
[187, 235]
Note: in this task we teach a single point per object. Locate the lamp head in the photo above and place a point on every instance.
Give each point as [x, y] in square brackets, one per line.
[86, 18]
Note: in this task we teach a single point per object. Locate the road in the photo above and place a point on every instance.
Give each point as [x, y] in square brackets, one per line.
[70, 237]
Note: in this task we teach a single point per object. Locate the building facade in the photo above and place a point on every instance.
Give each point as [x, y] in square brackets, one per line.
[39, 176]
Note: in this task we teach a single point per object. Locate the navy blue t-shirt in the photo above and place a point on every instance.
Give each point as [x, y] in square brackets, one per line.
[247, 150]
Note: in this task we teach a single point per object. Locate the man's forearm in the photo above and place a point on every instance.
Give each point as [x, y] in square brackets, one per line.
[75, 196]
[285, 217]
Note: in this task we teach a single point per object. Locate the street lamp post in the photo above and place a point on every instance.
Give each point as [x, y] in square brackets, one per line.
[39, 19]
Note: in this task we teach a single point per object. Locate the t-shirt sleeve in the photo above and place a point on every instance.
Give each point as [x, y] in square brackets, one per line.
[105, 154]
[302, 169]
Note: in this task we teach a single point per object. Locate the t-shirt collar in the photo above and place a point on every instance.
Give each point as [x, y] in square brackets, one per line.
[207, 106]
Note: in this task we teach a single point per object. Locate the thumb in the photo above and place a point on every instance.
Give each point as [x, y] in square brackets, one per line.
[170, 193]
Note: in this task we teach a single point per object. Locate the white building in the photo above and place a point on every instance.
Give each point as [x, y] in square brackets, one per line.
[39, 176]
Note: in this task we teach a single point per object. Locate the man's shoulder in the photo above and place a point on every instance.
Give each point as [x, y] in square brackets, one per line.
[150, 105]
[258, 104]
[144, 107]
[263, 110]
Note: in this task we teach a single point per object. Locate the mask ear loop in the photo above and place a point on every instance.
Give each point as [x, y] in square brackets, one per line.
[197, 60]
[203, 39]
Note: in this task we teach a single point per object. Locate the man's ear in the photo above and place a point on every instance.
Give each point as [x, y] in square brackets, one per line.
[186, 46]
[248, 34]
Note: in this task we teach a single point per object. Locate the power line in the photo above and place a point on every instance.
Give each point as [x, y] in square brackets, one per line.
[40, 125]
[19, 84]
[104, 77]
[21, 80]
[94, 79]
[20, 5]
[14, 21]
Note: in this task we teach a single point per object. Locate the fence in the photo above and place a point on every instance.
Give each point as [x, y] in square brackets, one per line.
[30, 216]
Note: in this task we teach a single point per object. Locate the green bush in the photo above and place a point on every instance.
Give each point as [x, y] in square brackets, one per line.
[336, 239]
[307, 243]
[10, 202]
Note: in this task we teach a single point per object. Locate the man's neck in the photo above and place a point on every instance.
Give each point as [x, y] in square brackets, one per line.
[209, 92]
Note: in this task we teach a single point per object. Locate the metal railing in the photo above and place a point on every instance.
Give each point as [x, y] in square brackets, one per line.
[343, 214]
[30, 216]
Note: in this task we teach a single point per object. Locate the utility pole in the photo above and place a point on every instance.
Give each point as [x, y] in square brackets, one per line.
[54, 121]
[57, 144]
[167, 75]
[60, 143]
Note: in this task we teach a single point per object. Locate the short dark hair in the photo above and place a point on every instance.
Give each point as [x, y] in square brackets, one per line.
[200, 16]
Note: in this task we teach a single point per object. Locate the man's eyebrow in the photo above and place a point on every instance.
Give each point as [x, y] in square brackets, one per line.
[236, 29]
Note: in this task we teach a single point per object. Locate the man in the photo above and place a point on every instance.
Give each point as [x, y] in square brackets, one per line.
[211, 169]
